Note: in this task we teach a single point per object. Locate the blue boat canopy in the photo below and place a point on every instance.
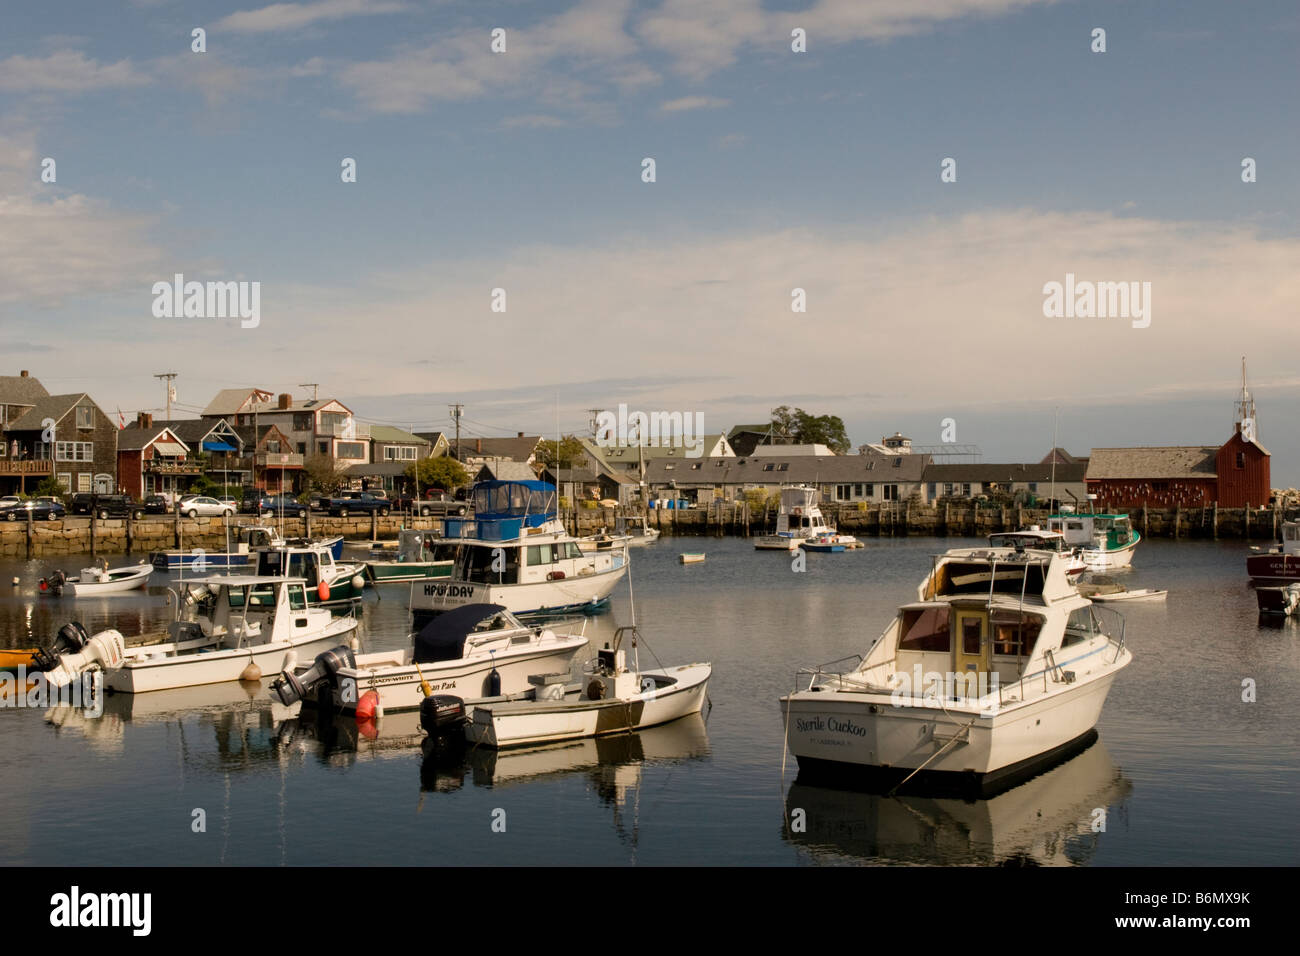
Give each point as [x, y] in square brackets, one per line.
[218, 446]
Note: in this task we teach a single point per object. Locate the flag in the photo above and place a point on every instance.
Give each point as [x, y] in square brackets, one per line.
[121, 421]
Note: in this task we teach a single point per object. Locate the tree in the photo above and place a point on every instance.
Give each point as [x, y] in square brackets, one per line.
[324, 474]
[570, 449]
[48, 487]
[442, 472]
[801, 428]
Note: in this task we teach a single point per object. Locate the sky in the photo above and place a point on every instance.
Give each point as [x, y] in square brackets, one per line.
[774, 170]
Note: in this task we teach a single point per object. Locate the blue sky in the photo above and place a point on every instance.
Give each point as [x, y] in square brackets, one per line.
[775, 170]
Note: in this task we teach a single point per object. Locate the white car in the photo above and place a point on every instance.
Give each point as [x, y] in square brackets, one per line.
[202, 506]
[9, 501]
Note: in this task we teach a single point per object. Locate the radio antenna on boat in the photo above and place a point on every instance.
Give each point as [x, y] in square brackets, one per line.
[1055, 430]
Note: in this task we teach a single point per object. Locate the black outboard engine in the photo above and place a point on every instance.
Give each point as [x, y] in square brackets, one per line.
[71, 639]
[441, 714]
[53, 584]
[290, 688]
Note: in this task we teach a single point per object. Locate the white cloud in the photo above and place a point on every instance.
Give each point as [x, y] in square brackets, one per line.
[694, 103]
[66, 71]
[295, 16]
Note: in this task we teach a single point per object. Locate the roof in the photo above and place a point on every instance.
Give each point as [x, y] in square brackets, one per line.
[228, 401]
[49, 406]
[21, 390]
[135, 438]
[776, 451]
[232, 401]
[192, 431]
[979, 472]
[624, 454]
[1174, 461]
[800, 469]
[507, 471]
[1063, 457]
[431, 437]
[516, 449]
[389, 433]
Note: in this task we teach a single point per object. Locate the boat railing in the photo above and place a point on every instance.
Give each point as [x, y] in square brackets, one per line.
[824, 671]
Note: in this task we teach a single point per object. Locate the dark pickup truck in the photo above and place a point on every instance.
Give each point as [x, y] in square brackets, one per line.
[358, 502]
[433, 503]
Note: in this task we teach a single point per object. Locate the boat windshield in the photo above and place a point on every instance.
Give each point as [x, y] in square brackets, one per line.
[488, 565]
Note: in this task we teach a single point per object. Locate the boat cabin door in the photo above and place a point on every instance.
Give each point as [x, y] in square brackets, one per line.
[971, 647]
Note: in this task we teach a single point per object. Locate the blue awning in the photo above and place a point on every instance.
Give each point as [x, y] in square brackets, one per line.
[218, 446]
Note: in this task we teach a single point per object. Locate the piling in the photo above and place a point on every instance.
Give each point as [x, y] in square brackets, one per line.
[93, 518]
[29, 534]
[1215, 522]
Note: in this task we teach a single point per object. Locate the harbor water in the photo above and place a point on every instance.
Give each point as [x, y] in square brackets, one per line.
[1197, 761]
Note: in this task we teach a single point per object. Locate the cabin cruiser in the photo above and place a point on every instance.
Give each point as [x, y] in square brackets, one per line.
[419, 555]
[248, 539]
[514, 552]
[1037, 539]
[1281, 564]
[330, 583]
[239, 627]
[613, 699]
[473, 652]
[1106, 541]
[800, 520]
[999, 668]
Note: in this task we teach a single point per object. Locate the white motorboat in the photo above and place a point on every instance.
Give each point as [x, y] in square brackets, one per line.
[637, 530]
[472, 652]
[514, 552]
[603, 541]
[1126, 594]
[330, 583]
[95, 581]
[999, 668]
[613, 699]
[1106, 541]
[237, 621]
[1036, 538]
[800, 520]
[419, 555]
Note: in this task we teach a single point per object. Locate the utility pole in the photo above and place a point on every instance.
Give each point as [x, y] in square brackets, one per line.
[456, 411]
[595, 414]
[169, 376]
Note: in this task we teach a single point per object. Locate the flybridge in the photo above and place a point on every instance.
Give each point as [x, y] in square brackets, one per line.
[504, 510]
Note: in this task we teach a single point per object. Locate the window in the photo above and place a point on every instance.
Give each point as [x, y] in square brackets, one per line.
[898, 462]
[350, 449]
[399, 453]
[1033, 487]
[933, 489]
[841, 492]
[329, 419]
[324, 447]
[925, 629]
[857, 491]
[85, 416]
[65, 479]
[297, 598]
[769, 467]
[670, 466]
[890, 492]
[83, 482]
[784, 466]
[696, 466]
[947, 489]
[74, 451]
[302, 421]
[871, 491]
[1014, 636]
[273, 447]
[965, 489]
[539, 554]
[1241, 459]
[718, 463]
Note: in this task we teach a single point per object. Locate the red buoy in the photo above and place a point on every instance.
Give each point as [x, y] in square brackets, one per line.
[367, 706]
[44, 585]
[323, 590]
[368, 729]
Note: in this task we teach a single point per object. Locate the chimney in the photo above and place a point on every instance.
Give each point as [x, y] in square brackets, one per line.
[285, 400]
[144, 419]
[478, 444]
[23, 373]
[519, 434]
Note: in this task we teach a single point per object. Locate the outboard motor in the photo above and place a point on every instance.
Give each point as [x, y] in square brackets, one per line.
[72, 637]
[54, 584]
[290, 688]
[105, 650]
[441, 714]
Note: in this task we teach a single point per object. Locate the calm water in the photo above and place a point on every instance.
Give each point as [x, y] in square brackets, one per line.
[1188, 773]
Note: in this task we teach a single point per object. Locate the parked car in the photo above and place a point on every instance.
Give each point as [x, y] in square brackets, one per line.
[156, 505]
[79, 504]
[276, 505]
[8, 501]
[435, 502]
[201, 506]
[359, 502]
[117, 506]
[41, 509]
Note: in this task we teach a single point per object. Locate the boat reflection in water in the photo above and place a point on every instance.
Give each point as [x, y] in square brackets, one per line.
[1046, 821]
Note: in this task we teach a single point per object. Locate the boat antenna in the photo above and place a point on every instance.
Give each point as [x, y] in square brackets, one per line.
[1055, 430]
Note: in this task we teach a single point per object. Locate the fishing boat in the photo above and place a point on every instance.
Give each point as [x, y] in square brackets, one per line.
[1280, 599]
[515, 552]
[473, 652]
[330, 583]
[637, 530]
[95, 581]
[243, 550]
[1036, 538]
[1106, 541]
[614, 699]
[691, 557]
[228, 628]
[417, 557]
[603, 541]
[799, 520]
[998, 669]
[1280, 564]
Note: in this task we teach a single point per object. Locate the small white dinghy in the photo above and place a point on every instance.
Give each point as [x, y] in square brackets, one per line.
[691, 557]
[614, 699]
[103, 580]
[1140, 594]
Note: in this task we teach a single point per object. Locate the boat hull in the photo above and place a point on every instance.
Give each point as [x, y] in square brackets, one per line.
[532, 723]
[576, 593]
[399, 687]
[140, 675]
[1095, 559]
[838, 733]
[1273, 568]
[771, 542]
[137, 578]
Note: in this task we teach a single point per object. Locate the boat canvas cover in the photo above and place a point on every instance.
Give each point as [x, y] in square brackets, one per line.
[443, 638]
